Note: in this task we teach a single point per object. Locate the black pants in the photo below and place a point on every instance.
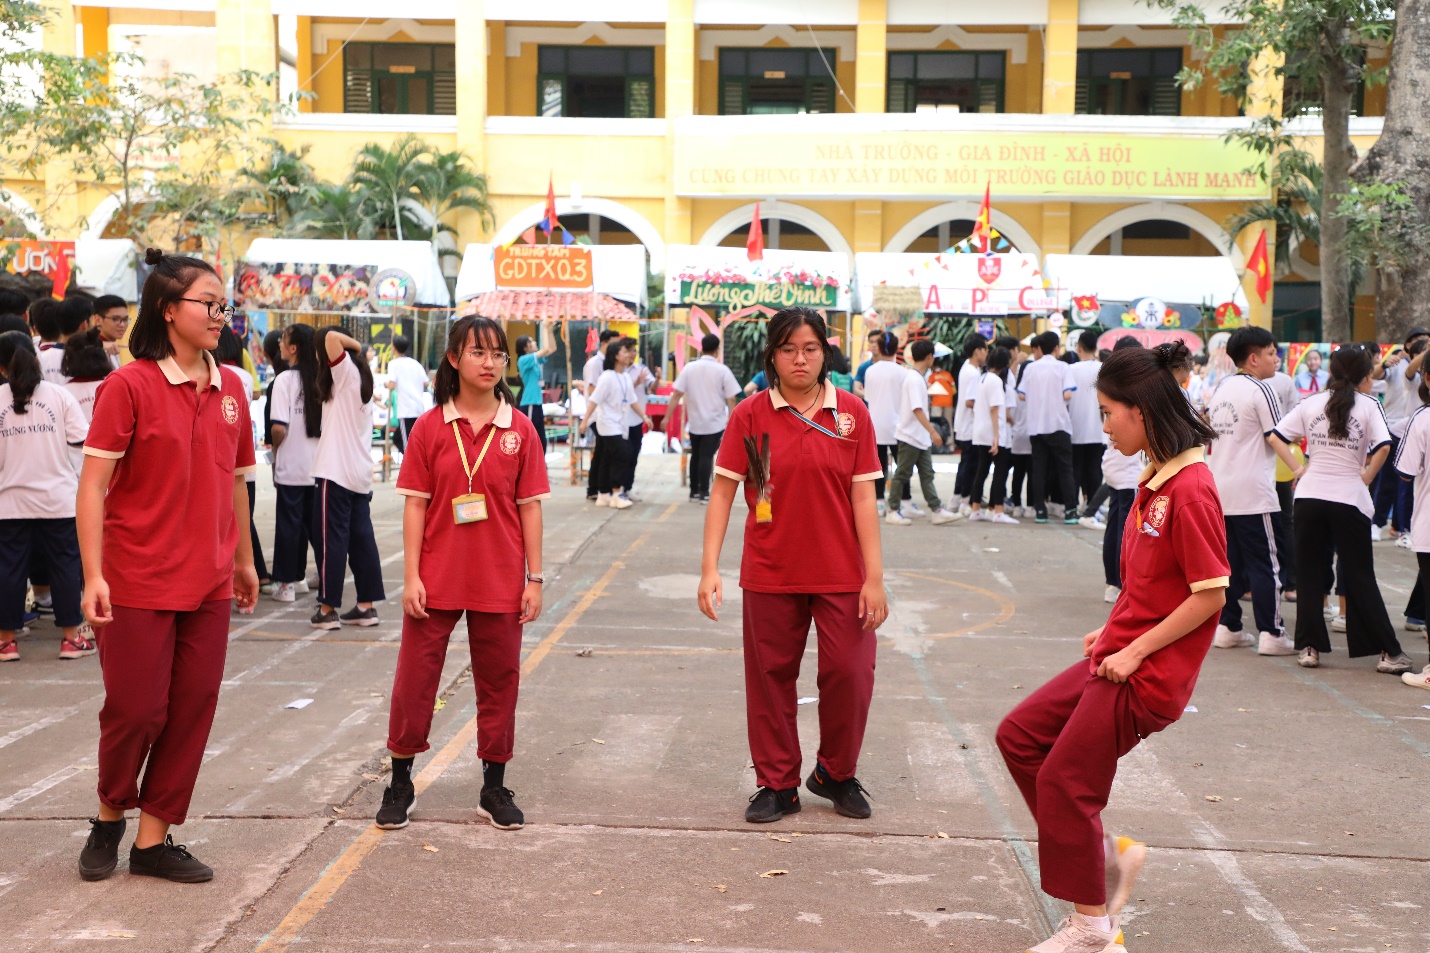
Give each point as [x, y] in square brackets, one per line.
[963, 482]
[1118, 508]
[984, 461]
[292, 533]
[1251, 552]
[537, 414]
[1286, 533]
[56, 539]
[344, 524]
[1095, 502]
[399, 435]
[259, 565]
[1418, 604]
[1321, 524]
[1087, 468]
[633, 453]
[1393, 496]
[1052, 450]
[610, 464]
[1021, 463]
[593, 469]
[887, 451]
[703, 447]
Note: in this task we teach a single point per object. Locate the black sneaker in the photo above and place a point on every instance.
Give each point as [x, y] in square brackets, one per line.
[397, 802]
[170, 861]
[324, 618]
[101, 851]
[768, 805]
[356, 616]
[848, 796]
[497, 805]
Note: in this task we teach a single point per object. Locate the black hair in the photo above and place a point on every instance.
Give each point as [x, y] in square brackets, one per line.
[1125, 342]
[972, 343]
[1087, 340]
[1200, 360]
[998, 360]
[230, 347]
[614, 347]
[1142, 378]
[1350, 365]
[484, 332]
[75, 313]
[709, 344]
[521, 343]
[782, 325]
[13, 301]
[1414, 348]
[923, 348]
[401, 345]
[105, 302]
[606, 336]
[888, 344]
[45, 318]
[840, 361]
[1068, 357]
[301, 338]
[1047, 342]
[873, 333]
[1245, 340]
[22, 367]
[1104, 354]
[14, 322]
[1007, 341]
[171, 278]
[85, 357]
[271, 351]
[323, 380]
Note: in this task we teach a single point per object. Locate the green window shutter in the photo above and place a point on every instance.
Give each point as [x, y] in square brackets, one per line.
[444, 94]
[640, 98]
[1080, 98]
[990, 97]
[819, 98]
[732, 98]
[1166, 98]
[897, 100]
[357, 91]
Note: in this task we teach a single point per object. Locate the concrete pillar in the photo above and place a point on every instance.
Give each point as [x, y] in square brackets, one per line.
[871, 57]
[1057, 228]
[61, 211]
[869, 225]
[95, 24]
[1060, 58]
[472, 100]
[245, 37]
[1264, 99]
[303, 62]
[680, 69]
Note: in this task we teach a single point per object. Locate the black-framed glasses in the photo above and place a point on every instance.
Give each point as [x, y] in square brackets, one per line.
[216, 308]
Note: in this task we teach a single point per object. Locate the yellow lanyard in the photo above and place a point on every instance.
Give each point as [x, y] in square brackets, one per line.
[463, 451]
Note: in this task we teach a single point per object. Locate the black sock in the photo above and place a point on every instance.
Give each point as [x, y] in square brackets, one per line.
[493, 774]
[822, 774]
[402, 770]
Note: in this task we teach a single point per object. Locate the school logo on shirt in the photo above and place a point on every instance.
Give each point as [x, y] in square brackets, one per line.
[510, 443]
[230, 409]
[844, 424]
[1157, 512]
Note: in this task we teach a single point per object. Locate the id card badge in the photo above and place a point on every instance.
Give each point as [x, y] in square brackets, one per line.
[469, 508]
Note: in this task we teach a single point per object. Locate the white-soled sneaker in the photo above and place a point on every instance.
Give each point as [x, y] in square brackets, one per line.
[1077, 935]
[1397, 665]
[1414, 625]
[1227, 639]
[1421, 680]
[285, 592]
[1093, 523]
[882, 507]
[1275, 645]
[619, 502]
[1329, 611]
[1376, 535]
[1310, 658]
[1124, 858]
[941, 516]
[303, 588]
[1403, 541]
[603, 499]
[1110, 594]
[913, 510]
[896, 518]
[978, 516]
[1003, 518]
[1338, 624]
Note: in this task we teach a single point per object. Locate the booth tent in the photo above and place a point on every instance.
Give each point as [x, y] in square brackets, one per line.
[100, 266]
[989, 285]
[302, 274]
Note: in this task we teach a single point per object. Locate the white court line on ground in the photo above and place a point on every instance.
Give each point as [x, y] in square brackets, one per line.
[292, 767]
[45, 722]
[43, 785]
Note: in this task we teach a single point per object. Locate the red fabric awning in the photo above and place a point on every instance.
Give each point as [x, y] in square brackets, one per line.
[541, 305]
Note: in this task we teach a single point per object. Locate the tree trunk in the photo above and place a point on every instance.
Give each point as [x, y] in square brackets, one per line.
[1338, 85]
[1402, 155]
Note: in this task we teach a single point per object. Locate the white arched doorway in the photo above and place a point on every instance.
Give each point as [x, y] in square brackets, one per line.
[24, 211]
[739, 219]
[1162, 211]
[1021, 238]
[639, 225]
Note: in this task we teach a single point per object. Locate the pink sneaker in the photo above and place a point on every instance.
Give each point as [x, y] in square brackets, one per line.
[9, 651]
[1076, 935]
[78, 648]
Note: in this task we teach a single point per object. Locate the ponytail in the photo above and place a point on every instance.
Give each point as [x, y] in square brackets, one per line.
[1350, 365]
[300, 339]
[22, 367]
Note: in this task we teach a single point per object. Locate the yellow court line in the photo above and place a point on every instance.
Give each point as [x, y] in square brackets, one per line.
[1006, 609]
[332, 879]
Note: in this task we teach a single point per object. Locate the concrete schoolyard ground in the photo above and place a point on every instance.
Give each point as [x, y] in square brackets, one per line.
[1287, 812]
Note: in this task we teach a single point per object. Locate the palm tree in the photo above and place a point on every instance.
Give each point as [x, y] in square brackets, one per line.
[1295, 208]
[333, 211]
[390, 177]
[445, 183]
[278, 183]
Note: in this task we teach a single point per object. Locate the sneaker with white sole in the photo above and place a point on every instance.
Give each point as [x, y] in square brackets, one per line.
[1330, 612]
[1414, 625]
[941, 516]
[1057, 511]
[1310, 658]
[325, 618]
[1076, 934]
[619, 502]
[896, 518]
[1124, 858]
[286, 592]
[362, 617]
[1003, 518]
[303, 587]
[1110, 594]
[603, 499]
[1275, 645]
[1092, 523]
[1420, 680]
[77, 647]
[1376, 534]
[1227, 639]
[979, 516]
[882, 507]
[1338, 624]
[1397, 665]
[1403, 541]
[9, 651]
[913, 510]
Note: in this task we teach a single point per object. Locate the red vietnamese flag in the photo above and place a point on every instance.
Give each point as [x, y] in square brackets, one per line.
[62, 273]
[755, 243]
[548, 220]
[982, 226]
[1261, 266]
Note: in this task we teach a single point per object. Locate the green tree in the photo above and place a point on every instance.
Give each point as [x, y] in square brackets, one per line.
[1295, 204]
[390, 177]
[333, 211]
[278, 183]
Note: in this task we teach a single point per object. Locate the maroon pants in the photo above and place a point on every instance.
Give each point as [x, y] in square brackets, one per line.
[1061, 745]
[495, 641]
[161, 678]
[776, 630]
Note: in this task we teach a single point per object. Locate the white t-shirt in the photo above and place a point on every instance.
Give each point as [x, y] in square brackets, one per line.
[968, 378]
[1120, 471]
[38, 480]
[988, 400]
[1286, 392]
[1333, 465]
[1402, 398]
[883, 388]
[50, 357]
[913, 395]
[613, 397]
[1083, 412]
[1196, 385]
[595, 365]
[1043, 385]
[1243, 411]
[293, 460]
[344, 453]
[1412, 459]
[84, 392]
[707, 385]
[1019, 411]
[641, 378]
[247, 379]
[411, 379]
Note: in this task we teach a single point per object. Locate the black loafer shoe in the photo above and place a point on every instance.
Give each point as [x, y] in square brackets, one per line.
[768, 805]
[397, 802]
[848, 795]
[498, 805]
[101, 851]
[169, 861]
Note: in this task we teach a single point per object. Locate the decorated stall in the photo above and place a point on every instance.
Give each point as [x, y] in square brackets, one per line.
[99, 266]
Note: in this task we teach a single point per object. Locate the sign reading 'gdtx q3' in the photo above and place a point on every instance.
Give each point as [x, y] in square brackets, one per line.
[543, 268]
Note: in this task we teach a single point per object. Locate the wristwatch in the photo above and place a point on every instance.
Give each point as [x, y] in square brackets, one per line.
[536, 577]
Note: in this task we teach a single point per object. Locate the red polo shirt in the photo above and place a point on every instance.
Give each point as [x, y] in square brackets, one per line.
[810, 545]
[1174, 544]
[479, 566]
[169, 528]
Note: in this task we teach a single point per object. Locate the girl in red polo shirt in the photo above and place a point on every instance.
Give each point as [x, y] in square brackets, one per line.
[474, 475]
[1063, 742]
[162, 514]
[807, 456]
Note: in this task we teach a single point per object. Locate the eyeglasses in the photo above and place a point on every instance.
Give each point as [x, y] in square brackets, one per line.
[789, 352]
[215, 308]
[482, 356]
